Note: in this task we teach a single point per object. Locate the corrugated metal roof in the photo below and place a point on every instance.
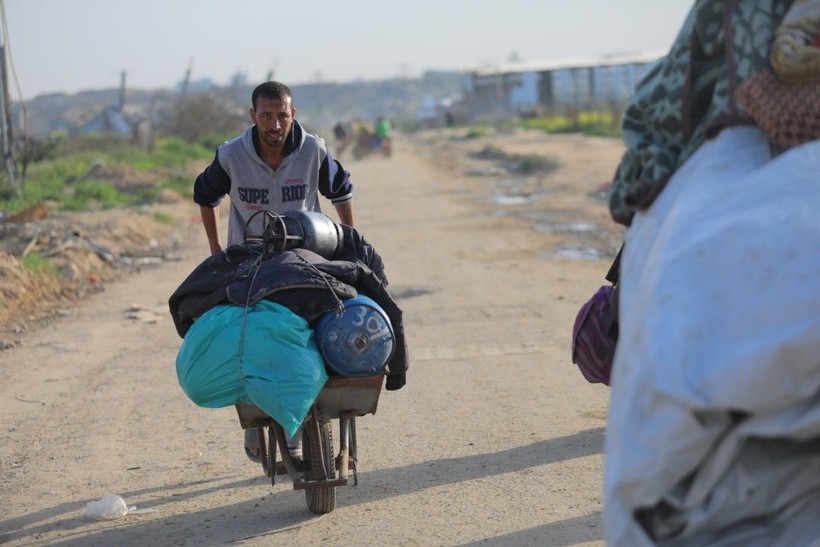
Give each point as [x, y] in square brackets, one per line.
[561, 64]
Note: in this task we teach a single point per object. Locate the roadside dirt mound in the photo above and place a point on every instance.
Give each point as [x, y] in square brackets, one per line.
[23, 294]
[47, 264]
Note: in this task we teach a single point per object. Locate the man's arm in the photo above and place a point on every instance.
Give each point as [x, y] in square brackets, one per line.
[210, 220]
[335, 185]
[209, 188]
[345, 212]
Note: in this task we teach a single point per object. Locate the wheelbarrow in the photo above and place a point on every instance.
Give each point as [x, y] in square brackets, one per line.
[320, 470]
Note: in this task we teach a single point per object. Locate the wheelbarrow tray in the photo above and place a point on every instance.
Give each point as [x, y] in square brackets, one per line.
[356, 396]
[341, 398]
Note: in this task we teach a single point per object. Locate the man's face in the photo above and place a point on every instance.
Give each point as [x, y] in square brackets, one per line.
[273, 118]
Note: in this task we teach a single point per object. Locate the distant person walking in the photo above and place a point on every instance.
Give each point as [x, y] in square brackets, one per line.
[343, 131]
[384, 133]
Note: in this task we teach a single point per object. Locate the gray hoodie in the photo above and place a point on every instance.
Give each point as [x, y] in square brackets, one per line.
[307, 170]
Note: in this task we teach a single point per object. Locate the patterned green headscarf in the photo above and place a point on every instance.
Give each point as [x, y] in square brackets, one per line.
[688, 95]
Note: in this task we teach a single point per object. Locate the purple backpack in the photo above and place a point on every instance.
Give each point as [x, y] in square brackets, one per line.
[594, 336]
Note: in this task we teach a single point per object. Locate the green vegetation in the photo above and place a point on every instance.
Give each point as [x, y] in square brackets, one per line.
[37, 264]
[600, 123]
[532, 163]
[477, 131]
[65, 172]
[179, 183]
[164, 218]
[91, 195]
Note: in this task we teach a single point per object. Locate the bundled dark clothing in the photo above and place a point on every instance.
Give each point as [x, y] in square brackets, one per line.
[301, 280]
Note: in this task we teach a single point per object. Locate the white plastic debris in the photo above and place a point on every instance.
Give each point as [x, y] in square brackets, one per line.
[109, 507]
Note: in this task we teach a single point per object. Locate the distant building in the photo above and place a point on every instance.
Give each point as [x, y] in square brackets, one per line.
[522, 89]
[111, 120]
[439, 112]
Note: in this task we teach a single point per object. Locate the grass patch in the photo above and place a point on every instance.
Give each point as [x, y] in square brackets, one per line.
[37, 264]
[477, 132]
[598, 123]
[181, 185]
[163, 218]
[59, 175]
[93, 195]
[170, 152]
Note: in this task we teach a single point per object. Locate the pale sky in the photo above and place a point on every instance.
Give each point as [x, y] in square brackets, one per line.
[75, 45]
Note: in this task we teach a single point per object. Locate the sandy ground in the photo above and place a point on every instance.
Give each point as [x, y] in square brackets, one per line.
[496, 439]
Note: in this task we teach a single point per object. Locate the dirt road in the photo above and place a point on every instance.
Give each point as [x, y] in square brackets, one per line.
[496, 438]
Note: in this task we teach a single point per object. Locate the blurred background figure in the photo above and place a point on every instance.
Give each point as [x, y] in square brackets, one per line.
[384, 133]
[343, 132]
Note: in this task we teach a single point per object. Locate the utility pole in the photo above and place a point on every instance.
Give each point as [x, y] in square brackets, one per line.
[121, 104]
[185, 81]
[272, 70]
[6, 131]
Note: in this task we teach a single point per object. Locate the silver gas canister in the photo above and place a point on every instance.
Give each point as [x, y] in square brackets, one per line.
[310, 230]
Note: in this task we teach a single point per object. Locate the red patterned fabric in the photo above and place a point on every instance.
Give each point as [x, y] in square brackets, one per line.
[789, 113]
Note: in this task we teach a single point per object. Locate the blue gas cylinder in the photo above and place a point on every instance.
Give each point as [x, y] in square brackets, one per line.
[358, 341]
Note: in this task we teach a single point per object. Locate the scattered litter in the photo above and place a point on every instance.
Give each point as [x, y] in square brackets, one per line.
[8, 344]
[567, 228]
[111, 507]
[486, 171]
[577, 253]
[22, 400]
[146, 314]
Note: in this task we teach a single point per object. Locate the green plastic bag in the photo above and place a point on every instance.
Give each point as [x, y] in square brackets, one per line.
[263, 355]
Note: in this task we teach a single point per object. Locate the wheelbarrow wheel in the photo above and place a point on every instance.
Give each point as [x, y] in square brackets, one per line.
[317, 445]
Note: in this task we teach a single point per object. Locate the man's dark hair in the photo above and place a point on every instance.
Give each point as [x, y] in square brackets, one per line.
[271, 90]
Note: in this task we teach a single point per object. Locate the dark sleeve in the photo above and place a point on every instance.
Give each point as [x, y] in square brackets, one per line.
[212, 184]
[334, 181]
[356, 248]
[400, 362]
[203, 289]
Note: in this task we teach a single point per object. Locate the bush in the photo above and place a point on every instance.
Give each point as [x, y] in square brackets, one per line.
[202, 115]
